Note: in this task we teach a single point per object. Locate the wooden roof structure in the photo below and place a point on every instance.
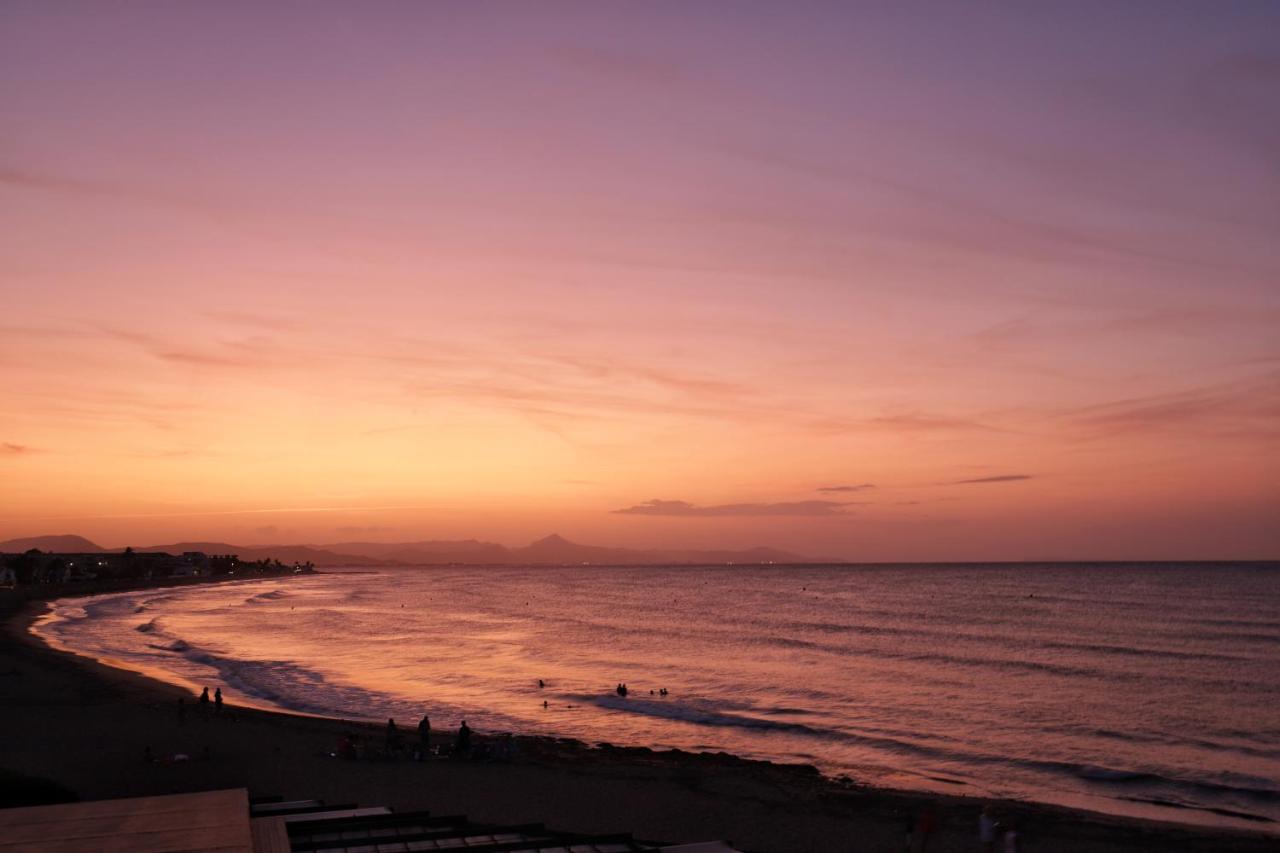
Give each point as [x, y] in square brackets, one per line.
[206, 822]
[228, 822]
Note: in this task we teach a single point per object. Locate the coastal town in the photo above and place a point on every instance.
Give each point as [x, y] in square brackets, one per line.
[40, 569]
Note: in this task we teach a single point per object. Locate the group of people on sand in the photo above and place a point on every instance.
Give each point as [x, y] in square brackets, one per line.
[203, 703]
[394, 744]
[995, 835]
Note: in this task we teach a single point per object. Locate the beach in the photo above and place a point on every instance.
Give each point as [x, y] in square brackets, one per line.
[85, 726]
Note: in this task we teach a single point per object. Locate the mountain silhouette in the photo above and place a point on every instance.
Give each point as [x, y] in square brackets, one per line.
[65, 543]
[550, 550]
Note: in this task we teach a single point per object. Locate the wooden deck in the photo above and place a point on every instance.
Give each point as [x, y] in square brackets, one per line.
[209, 822]
[270, 835]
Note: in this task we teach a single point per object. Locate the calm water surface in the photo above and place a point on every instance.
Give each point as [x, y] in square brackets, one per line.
[1151, 690]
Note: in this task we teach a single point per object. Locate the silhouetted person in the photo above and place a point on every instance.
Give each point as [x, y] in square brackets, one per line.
[541, 683]
[217, 701]
[424, 734]
[393, 736]
[204, 699]
[926, 825]
[463, 747]
[1010, 838]
[908, 824]
[987, 830]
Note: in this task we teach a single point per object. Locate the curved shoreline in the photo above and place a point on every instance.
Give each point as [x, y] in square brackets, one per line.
[135, 704]
[1109, 796]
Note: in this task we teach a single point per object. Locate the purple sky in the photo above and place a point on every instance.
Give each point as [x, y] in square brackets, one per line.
[497, 269]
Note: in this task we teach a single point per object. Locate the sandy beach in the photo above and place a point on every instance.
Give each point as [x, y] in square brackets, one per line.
[84, 727]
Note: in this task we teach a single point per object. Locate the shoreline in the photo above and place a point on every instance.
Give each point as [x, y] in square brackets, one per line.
[560, 776]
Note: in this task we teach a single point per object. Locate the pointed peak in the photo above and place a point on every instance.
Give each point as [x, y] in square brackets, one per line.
[553, 539]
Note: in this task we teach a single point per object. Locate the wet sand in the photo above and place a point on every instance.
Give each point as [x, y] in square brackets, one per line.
[85, 726]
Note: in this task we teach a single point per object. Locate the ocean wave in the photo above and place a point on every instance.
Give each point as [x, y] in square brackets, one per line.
[1141, 652]
[712, 713]
[1198, 792]
[263, 597]
[706, 714]
[71, 613]
[909, 689]
[1230, 636]
[1106, 774]
[1248, 787]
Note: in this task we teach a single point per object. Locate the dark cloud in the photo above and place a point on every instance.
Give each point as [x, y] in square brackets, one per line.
[999, 478]
[684, 508]
[8, 448]
[861, 487]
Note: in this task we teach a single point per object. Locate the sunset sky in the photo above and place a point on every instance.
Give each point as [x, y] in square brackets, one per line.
[877, 281]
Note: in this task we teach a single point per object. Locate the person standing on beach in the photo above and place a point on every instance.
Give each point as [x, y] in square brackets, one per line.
[926, 825]
[1011, 838]
[204, 701]
[217, 701]
[424, 736]
[393, 737]
[463, 746]
[987, 830]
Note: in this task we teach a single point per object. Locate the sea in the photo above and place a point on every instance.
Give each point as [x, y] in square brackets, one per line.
[1139, 689]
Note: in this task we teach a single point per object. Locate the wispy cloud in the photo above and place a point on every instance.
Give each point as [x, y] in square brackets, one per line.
[252, 320]
[1249, 408]
[282, 510]
[239, 354]
[861, 487]
[8, 448]
[921, 422]
[630, 66]
[999, 478]
[684, 508]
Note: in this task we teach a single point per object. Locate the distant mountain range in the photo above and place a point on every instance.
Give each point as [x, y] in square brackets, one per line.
[552, 550]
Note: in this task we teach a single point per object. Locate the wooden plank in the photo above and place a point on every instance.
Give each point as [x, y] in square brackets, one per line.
[207, 821]
[270, 835]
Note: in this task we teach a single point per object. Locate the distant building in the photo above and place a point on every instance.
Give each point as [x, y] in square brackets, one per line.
[198, 559]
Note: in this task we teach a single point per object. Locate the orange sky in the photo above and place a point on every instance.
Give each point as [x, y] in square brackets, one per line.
[875, 286]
